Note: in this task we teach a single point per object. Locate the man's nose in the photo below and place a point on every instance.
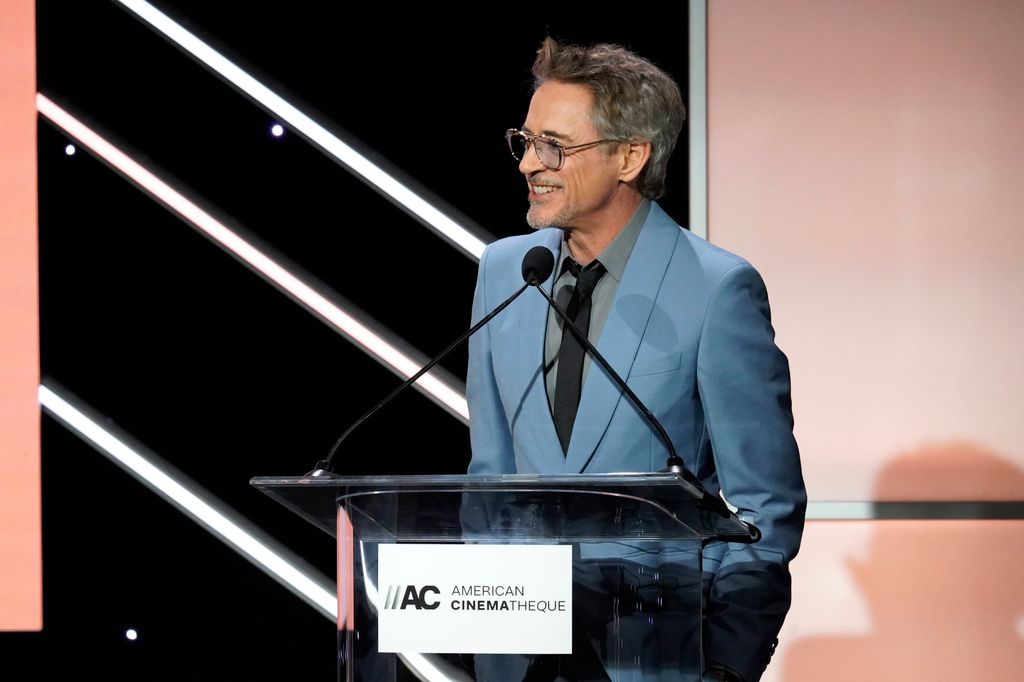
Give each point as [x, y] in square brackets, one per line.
[530, 162]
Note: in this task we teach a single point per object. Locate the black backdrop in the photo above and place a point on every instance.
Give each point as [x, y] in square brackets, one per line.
[203, 362]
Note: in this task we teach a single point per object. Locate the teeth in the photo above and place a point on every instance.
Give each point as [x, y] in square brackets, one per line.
[543, 189]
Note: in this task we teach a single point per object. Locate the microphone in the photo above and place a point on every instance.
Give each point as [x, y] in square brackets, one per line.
[674, 464]
[537, 266]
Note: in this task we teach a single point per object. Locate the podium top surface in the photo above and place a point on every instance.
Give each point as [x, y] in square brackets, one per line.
[525, 507]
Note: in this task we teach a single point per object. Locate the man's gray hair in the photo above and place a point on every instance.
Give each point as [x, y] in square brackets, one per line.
[634, 100]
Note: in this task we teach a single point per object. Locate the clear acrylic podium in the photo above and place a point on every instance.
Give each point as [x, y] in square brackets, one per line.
[632, 547]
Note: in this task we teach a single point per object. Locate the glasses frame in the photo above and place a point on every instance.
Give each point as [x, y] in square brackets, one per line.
[562, 149]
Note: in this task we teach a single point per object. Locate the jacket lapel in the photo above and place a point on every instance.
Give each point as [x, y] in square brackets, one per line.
[531, 419]
[620, 338]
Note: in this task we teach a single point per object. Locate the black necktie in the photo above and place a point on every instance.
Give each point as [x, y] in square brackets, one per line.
[569, 380]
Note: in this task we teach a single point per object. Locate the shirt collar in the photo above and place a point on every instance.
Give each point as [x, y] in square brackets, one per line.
[615, 256]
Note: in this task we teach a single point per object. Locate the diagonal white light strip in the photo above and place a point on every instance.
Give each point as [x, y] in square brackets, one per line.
[330, 143]
[204, 509]
[452, 399]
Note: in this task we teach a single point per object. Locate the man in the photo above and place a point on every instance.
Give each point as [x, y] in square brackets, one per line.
[686, 323]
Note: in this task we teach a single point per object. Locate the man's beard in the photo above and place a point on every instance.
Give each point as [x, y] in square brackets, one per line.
[533, 222]
[564, 215]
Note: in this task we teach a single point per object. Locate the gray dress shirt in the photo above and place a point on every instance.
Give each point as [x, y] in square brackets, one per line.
[614, 259]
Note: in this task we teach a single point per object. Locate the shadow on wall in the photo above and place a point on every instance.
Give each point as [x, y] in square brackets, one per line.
[946, 598]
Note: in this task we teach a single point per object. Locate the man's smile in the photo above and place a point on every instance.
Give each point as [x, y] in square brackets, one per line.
[537, 189]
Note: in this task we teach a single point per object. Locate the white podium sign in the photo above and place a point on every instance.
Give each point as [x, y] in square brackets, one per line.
[487, 599]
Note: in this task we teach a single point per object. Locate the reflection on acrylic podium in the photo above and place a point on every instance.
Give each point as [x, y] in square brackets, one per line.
[517, 577]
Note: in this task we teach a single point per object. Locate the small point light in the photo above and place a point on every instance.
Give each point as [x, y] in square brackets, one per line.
[131, 634]
[277, 130]
[70, 150]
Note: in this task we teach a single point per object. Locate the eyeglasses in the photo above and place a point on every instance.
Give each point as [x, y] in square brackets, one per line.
[550, 151]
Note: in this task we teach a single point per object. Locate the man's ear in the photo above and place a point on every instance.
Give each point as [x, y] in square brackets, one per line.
[634, 157]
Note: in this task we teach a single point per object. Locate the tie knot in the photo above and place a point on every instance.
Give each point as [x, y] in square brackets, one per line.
[587, 276]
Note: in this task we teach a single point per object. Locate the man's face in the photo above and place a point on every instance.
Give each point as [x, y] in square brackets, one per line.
[574, 196]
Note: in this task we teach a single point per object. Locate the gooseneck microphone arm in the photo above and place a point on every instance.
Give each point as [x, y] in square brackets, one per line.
[536, 267]
[326, 465]
[674, 463]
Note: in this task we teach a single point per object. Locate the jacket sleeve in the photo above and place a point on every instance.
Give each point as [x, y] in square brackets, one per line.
[744, 384]
[490, 437]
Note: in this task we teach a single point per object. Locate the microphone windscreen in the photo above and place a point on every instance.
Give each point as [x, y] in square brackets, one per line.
[537, 265]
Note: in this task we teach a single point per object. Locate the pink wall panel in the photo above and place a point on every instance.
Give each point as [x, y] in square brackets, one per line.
[868, 158]
[20, 525]
[905, 600]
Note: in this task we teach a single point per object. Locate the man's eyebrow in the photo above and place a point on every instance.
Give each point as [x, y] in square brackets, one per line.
[548, 133]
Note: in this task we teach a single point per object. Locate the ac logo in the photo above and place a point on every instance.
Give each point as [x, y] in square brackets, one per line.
[407, 596]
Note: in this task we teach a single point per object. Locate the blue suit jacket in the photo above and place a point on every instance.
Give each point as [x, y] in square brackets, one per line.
[690, 330]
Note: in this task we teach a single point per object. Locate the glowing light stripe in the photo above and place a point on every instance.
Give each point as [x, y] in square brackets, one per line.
[330, 143]
[445, 395]
[315, 589]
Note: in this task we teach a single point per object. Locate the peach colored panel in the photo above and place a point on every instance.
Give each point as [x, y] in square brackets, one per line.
[868, 158]
[905, 600]
[21, 595]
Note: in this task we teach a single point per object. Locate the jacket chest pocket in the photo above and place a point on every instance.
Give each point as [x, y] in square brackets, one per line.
[658, 364]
